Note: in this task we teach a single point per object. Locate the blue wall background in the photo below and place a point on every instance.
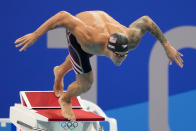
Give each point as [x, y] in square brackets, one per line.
[118, 87]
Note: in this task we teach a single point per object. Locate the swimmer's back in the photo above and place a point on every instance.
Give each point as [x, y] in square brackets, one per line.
[97, 18]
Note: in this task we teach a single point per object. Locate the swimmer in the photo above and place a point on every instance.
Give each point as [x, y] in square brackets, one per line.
[93, 33]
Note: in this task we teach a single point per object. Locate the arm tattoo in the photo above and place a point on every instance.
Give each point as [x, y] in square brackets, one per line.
[144, 24]
[155, 30]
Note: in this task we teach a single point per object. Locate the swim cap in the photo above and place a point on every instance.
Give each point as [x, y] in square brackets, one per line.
[118, 43]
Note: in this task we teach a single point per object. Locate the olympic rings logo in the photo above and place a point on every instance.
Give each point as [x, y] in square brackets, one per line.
[69, 125]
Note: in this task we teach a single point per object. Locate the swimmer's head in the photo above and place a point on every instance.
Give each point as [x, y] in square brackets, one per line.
[118, 43]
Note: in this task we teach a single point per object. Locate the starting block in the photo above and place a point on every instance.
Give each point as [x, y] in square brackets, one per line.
[40, 110]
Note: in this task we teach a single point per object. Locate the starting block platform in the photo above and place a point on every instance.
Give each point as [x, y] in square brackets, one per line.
[40, 110]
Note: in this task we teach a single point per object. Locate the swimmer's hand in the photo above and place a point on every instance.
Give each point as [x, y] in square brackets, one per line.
[26, 41]
[173, 54]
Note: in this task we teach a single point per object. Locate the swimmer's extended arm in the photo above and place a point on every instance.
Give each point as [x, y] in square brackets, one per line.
[144, 24]
[60, 19]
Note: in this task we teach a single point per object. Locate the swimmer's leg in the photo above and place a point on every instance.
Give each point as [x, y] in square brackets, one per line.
[81, 85]
[59, 72]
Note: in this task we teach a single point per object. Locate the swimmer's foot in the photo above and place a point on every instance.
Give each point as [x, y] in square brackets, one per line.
[66, 108]
[58, 82]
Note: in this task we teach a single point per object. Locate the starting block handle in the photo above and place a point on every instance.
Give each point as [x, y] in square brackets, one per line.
[30, 127]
